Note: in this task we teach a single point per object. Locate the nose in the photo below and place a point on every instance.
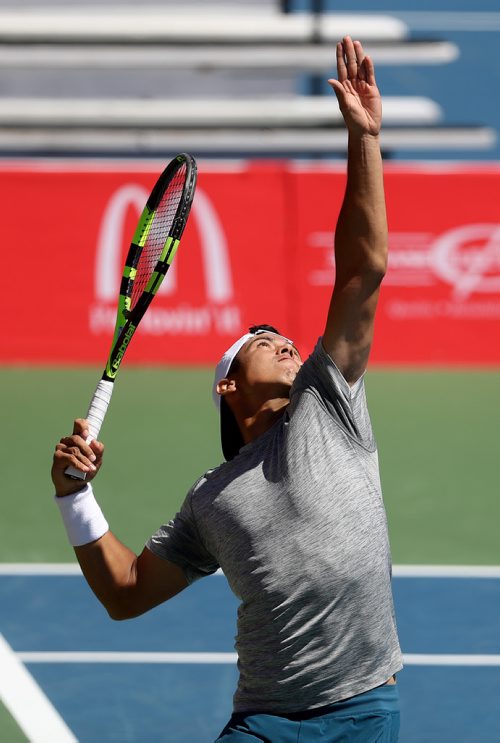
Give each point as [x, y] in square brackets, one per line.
[286, 348]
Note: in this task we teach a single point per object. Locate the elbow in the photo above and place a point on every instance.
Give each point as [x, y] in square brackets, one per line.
[373, 272]
[131, 604]
[369, 275]
[122, 609]
[376, 267]
[121, 605]
[377, 274]
[118, 615]
[369, 268]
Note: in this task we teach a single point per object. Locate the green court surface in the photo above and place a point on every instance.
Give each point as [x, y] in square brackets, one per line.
[9, 730]
[437, 433]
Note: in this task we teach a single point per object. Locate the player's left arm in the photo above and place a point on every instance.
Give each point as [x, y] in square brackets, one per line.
[361, 234]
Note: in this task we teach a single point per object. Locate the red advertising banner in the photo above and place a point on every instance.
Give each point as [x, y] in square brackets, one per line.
[258, 248]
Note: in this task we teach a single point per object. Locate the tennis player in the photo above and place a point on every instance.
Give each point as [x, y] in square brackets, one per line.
[295, 516]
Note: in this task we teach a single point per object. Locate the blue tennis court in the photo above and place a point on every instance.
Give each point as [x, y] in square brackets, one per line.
[170, 674]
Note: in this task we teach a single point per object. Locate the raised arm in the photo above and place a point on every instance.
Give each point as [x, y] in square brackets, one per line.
[361, 232]
[126, 584]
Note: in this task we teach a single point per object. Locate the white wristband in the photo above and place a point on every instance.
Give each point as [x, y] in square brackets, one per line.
[82, 516]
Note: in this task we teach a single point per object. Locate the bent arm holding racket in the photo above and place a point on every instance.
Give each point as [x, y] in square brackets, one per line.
[126, 584]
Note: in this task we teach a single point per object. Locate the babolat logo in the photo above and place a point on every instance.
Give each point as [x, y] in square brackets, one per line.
[123, 347]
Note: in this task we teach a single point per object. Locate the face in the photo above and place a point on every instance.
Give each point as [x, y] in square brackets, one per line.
[268, 359]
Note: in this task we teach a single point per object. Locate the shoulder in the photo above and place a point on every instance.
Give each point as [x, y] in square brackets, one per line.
[202, 482]
[321, 390]
[320, 372]
[211, 482]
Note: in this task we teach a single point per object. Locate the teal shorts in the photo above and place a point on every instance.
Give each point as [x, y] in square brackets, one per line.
[372, 717]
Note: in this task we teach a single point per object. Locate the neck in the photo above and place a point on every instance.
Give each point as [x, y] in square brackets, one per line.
[254, 424]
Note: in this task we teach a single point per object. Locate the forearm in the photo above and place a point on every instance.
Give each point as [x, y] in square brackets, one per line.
[110, 569]
[361, 232]
[125, 583]
[107, 564]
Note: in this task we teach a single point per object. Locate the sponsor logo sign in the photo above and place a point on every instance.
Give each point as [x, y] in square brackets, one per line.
[440, 298]
[465, 259]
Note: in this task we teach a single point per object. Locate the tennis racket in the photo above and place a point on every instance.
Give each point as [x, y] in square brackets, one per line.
[150, 255]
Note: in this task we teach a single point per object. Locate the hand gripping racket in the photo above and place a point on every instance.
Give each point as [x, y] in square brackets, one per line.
[151, 253]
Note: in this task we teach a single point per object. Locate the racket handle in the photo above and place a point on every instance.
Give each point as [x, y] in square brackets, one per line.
[98, 407]
[95, 416]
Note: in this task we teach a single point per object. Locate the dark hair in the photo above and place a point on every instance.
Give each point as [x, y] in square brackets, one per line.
[253, 329]
[269, 328]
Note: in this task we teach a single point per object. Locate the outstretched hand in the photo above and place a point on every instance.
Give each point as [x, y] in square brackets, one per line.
[357, 93]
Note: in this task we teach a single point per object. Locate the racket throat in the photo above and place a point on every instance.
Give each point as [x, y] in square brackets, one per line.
[116, 357]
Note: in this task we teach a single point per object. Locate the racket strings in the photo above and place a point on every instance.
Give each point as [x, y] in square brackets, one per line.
[161, 228]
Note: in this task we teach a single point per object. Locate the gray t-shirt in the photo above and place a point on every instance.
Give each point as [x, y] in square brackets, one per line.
[297, 523]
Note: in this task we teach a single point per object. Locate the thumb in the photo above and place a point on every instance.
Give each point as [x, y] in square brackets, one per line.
[338, 89]
[336, 85]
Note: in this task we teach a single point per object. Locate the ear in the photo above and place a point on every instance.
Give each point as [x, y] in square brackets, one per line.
[226, 387]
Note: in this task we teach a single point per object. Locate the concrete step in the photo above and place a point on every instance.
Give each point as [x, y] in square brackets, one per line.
[212, 58]
[297, 111]
[191, 24]
[275, 142]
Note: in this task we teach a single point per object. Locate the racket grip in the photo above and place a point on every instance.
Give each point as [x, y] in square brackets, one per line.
[98, 407]
[95, 416]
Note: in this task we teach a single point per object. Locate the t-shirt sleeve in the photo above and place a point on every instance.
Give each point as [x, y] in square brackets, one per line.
[179, 542]
[346, 404]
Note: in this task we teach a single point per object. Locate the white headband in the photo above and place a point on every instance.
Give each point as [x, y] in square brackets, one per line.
[227, 359]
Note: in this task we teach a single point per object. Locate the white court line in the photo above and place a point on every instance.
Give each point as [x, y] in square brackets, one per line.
[410, 659]
[446, 571]
[40, 568]
[124, 657]
[27, 703]
[399, 571]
